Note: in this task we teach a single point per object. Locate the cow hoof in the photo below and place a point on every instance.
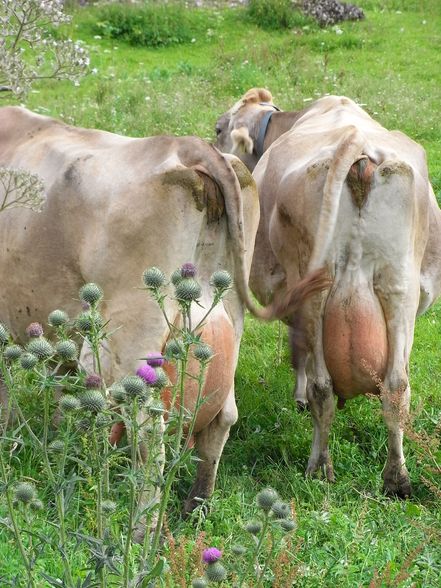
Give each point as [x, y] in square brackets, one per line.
[302, 406]
[398, 486]
[321, 470]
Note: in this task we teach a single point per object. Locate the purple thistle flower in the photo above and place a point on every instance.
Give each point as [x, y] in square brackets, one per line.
[211, 555]
[188, 270]
[34, 330]
[155, 359]
[147, 373]
[85, 305]
[93, 381]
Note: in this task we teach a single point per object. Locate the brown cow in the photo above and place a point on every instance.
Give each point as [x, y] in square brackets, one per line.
[115, 206]
[337, 189]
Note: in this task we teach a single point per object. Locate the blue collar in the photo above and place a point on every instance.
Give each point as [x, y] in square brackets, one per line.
[258, 147]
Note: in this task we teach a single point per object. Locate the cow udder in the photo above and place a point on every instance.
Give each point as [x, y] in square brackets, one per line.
[355, 342]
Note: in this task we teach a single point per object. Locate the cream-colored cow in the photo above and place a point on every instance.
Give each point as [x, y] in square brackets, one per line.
[115, 206]
[338, 190]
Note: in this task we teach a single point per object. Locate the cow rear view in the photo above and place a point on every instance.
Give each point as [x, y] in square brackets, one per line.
[337, 190]
[371, 280]
[115, 206]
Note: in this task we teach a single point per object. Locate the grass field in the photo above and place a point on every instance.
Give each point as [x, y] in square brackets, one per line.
[390, 63]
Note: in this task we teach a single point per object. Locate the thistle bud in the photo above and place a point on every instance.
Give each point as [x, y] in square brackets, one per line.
[84, 425]
[93, 381]
[161, 379]
[57, 318]
[34, 330]
[203, 352]
[4, 334]
[12, 352]
[102, 420]
[91, 293]
[253, 527]
[24, 492]
[238, 549]
[93, 401]
[188, 290]
[174, 349]
[108, 506]
[221, 280]
[118, 393]
[266, 498]
[36, 504]
[66, 350]
[69, 403]
[56, 446]
[85, 320]
[199, 583]
[188, 270]
[134, 386]
[153, 278]
[281, 510]
[147, 373]
[176, 277]
[216, 572]
[211, 555]
[41, 348]
[288, 525]
[156, 408]
[28, 361]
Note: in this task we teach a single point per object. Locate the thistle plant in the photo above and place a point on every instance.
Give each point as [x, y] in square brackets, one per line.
[169, 441]
[20, 500]
[79, 458]
[35, 366]
[215, 571]
[275, 519]
[38, 366]
[251, 565]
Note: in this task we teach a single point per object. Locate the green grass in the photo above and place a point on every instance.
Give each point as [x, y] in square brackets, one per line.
[391, 63]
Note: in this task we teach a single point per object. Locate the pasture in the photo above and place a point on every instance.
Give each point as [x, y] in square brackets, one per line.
[348, 532]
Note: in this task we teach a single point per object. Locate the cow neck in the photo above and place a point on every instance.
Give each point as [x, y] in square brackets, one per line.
[284, 121]
[258, 146]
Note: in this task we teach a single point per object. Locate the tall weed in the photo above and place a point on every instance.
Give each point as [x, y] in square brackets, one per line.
[147, 25]
[276, 14]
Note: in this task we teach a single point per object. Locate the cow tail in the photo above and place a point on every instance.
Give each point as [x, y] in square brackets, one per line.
[348, 151]
[220, 169]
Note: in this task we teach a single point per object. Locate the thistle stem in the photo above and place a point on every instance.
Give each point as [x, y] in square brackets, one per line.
[261, 539]
[99, 500]
[132, 492]
[177, 461]
[17, 535]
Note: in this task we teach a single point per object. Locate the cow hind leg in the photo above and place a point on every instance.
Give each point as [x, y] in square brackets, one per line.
[396, 400]
[209, 444]
[298, 361]
[322, 406]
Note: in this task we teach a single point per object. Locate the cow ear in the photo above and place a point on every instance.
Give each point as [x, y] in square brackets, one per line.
[242, 142]
[257, 95]
[265, 95]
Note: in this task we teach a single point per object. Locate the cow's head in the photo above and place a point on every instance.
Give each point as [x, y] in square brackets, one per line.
[238, 129]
